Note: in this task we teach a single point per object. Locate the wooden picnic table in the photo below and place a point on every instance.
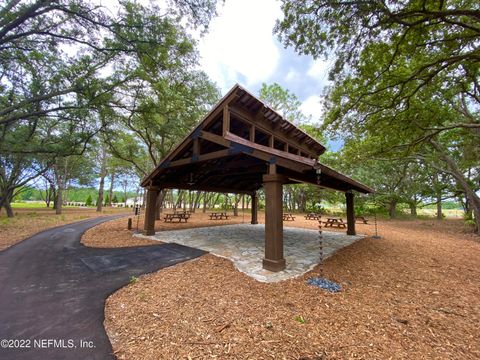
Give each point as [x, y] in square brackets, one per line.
[176, 216]
[335, 222]
[313, 216]
[219, 216]
[288, 217]
[363, 219]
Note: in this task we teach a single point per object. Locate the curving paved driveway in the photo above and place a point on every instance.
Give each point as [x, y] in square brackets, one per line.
[53, 290]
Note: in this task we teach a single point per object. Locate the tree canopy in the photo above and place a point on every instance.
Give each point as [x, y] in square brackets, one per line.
[71, 69]
[405, 81]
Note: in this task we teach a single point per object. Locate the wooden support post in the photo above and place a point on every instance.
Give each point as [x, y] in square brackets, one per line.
[226, 119]
[350, 213]
[252, 133]
[274, 260]
[196, 148]
[254, 208]
[149, 226]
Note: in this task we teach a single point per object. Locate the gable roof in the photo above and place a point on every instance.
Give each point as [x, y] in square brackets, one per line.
[243, 135]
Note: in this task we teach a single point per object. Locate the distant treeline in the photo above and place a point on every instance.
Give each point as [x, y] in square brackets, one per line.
[70, 195]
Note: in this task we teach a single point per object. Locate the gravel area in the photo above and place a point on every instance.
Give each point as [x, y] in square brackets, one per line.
[244, 244]
[412, 294]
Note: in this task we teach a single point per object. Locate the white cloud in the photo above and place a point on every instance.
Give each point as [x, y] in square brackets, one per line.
[312, 107]
[240, 46]
[319, 69]
[291, 75]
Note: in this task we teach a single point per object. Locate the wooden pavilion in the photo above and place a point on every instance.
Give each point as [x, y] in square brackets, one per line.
[240, 146]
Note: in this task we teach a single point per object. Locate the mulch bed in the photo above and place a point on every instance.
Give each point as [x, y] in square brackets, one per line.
[414, 293]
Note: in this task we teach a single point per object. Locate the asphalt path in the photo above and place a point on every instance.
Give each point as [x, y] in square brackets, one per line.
[53, 291]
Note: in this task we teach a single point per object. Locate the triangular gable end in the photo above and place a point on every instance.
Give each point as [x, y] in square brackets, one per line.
[242, 123]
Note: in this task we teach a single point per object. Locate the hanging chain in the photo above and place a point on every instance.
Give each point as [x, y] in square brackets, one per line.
[375, 218]
[320, 239]
[320, 234]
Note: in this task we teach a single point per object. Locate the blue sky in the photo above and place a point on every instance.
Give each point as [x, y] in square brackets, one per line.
[240, 47]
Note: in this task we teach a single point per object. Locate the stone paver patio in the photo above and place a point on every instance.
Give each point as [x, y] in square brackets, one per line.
[244, 245]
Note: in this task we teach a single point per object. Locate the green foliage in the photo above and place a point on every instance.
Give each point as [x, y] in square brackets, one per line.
[284, 102]
[89, 201]
[300, 319]
[406, 96]
[407, 43]
[114, 199]
[54, 101]
[106, 201]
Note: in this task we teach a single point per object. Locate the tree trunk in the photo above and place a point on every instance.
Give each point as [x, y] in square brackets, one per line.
[196, 203]
[215, 201]
[413, 208]
[5, 202]
[178, 203]
[60, 184]
[8, 209]
[235, 207]
[205, 200]
[159, 205]
[58, 207]
[392, 209]
[439, 207]
[470, 194]
[110, 191]
[103, 174]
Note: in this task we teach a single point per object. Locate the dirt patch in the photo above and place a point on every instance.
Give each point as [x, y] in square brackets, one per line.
[28, 222]
[412, 294]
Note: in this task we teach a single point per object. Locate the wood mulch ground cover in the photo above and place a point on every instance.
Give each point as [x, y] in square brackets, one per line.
[412, 294]
[28, 222]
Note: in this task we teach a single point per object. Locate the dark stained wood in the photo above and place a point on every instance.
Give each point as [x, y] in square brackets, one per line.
[150, 211]
[226, 119]
[252, 133]
[208, 118]
[268, 127]
[350, 213]
[214, 138]
[196, 147]
[240, 146]
[274, 260]
[204, 157]
[270, 150]
[254, 208]
[229, 190]
[262, 152]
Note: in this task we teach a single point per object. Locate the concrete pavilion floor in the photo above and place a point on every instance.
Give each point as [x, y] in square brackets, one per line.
[243, 244]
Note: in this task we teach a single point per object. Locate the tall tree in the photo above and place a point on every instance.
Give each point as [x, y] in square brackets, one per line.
[406, 74]
[56, 74]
